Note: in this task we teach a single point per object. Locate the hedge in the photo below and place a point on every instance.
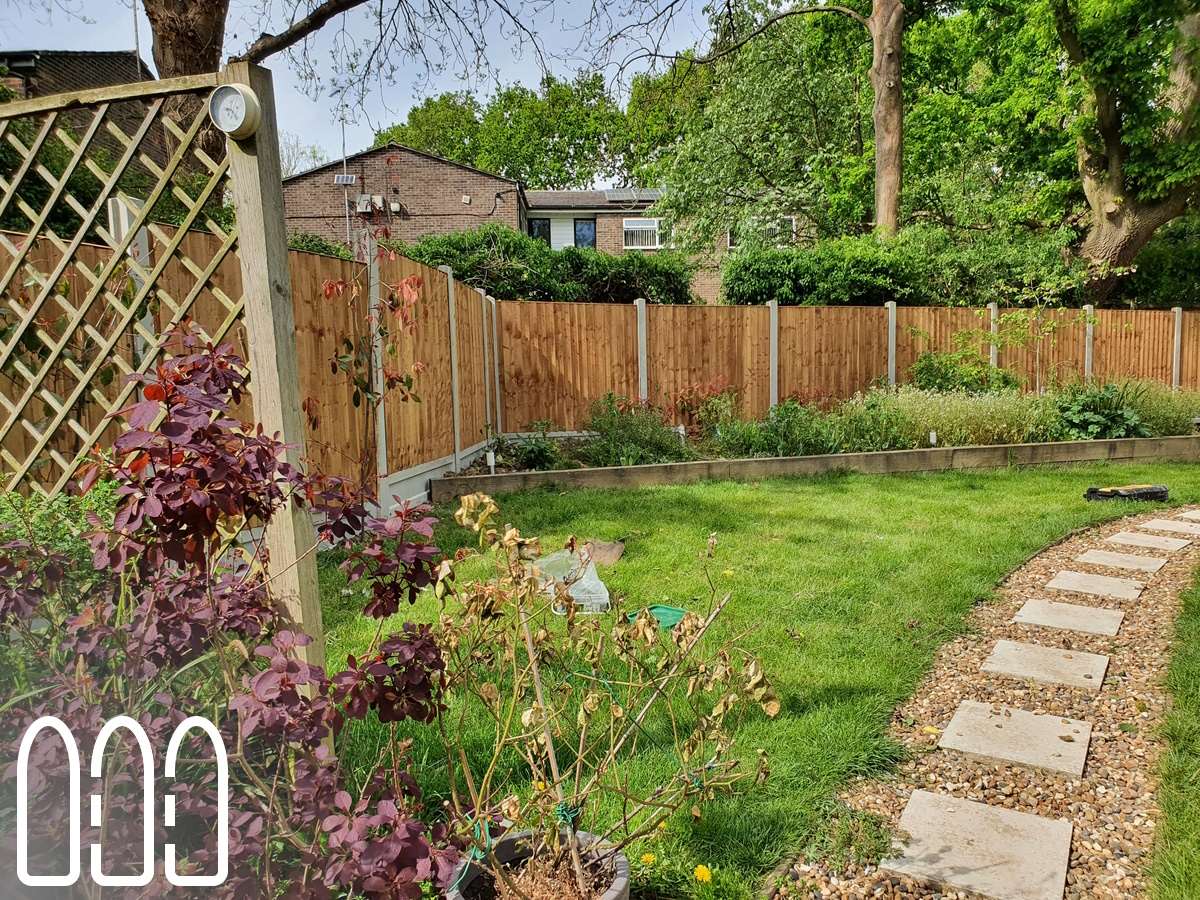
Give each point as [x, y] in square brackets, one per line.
[510, 265]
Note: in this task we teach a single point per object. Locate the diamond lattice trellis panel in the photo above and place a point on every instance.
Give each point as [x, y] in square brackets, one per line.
[115, 227]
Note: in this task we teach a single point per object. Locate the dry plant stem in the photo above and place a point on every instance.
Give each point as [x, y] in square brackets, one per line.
[536, 673]
[636, 724]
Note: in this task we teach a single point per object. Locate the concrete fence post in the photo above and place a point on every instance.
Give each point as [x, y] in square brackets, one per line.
[1177, 348]
[891, 342]
[496, 351]
[994, 330]
[773, 307]
[642, 350]
[488, 350]
[456, 417]
[1089, 340]
[377, 383]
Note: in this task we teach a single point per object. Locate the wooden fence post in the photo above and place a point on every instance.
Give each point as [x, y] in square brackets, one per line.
[773, 353]
[1089, 340]
[1177, 349]
[994, 329]
[891, 342]
[642, 345]
[377, 382]
[271, 338]
[487, 351]
[496, 364]
[456, 422]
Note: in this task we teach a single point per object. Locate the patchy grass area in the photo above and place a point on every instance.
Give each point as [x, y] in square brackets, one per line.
[1176, 865]
[844, 585]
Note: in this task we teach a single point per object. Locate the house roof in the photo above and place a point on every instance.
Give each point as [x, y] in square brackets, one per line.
[57, 71]
[392, 146]
[613, 198]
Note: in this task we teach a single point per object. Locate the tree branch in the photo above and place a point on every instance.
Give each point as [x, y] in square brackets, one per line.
[779, 17]
[270, 44]
[1108, 119]
[1182, 95]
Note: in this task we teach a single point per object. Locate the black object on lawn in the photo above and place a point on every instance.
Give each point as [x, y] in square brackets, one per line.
[1127, 492]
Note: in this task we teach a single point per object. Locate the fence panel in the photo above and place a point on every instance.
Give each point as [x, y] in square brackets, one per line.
[830, 352]
[420, 432]
[710, 348]
[558, 358]
[922, 328]
[1133, 344]
[471, 371]
[1053, 350]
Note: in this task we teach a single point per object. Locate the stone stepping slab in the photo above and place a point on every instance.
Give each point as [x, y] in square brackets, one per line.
[1098, 585]
[969, 846]
[1122, 560]
[1193, 514]
[1007, 734]
[1150, 541]
[1172, 525]
[1032, 662]
[1070, 617]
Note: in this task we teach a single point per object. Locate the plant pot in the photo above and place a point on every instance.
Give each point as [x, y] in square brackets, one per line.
[516, 847]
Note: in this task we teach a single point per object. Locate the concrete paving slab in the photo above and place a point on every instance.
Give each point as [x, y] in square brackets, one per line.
[1150, 541]
[1193, 514]
[1007, 734]
[1048, 664]
[1122, 560]
[1173, 525]
[1070, 617]
[1098, 585]
[999, 853]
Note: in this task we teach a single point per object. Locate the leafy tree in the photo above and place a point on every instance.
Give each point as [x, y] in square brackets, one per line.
[446, 125]
[663, 109]
[563, 135]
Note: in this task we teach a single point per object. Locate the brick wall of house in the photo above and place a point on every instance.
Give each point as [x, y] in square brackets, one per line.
[706, 283]
[430, 192]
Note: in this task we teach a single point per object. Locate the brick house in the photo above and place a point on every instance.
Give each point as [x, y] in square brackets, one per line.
[414, 194]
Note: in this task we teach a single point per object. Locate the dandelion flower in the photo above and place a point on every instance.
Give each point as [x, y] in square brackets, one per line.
[662, 826]
[648, 859]
[703, 874]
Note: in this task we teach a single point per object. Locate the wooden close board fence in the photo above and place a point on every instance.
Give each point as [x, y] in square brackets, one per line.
[543, 362]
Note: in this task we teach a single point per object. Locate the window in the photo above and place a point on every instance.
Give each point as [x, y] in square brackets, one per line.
[585, 233]
[642, 234]
[540, 229]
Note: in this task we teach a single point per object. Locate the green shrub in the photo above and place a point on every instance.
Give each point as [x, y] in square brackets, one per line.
[510, 265]
[1165, 411]
[959, 370]
[873, 421]
[536, 452]
[630, 434]
[1100, 412]
[314, 243]
[922, 266]
[790, 429]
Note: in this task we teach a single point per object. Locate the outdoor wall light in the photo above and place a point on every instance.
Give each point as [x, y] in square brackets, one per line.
[234, 109]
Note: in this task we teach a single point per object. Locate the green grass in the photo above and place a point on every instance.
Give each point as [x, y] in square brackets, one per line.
[846, 586]
[1176, 866]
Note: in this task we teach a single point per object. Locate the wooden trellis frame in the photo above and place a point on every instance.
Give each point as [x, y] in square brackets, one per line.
[76, 322]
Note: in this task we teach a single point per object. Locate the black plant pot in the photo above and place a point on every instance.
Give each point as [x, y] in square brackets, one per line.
[516, 847]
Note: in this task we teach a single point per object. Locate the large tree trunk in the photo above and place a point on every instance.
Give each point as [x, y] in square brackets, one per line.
[1120, 227]
[189, 36]
[887, 37]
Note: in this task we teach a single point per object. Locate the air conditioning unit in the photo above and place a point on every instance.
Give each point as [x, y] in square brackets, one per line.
[395, 206]
[363, 203]
[344, 180]
[377, 201]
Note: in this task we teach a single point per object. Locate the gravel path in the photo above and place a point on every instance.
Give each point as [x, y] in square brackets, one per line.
[1113, 806]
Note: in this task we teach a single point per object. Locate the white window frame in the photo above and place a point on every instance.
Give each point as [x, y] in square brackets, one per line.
[626, 228]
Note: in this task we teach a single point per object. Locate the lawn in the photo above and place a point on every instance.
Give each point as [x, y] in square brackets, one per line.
[846, 585]
[1176, 867]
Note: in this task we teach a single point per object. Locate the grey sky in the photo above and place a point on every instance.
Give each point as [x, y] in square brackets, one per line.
[314, 120]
